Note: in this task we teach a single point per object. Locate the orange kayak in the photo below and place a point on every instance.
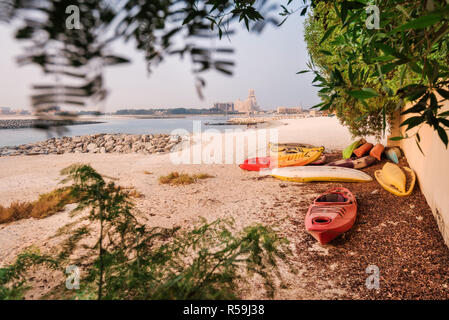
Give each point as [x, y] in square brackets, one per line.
[363, 149]
[377, 151]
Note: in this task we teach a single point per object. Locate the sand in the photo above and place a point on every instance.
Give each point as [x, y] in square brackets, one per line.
[248, 198]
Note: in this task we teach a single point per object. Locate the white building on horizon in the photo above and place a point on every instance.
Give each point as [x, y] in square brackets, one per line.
[249, 105]
[285, 110]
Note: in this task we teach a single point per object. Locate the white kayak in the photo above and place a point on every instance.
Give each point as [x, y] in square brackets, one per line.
[325, 173]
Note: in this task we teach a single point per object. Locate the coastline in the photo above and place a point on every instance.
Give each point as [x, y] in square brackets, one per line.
[333, 271]
[33, 123]
[304, 130]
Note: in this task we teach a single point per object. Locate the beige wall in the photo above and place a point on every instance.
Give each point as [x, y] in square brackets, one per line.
[432, 169]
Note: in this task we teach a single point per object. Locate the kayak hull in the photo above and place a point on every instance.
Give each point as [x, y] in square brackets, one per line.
[347, 152]
[393, 181]
[331, 214]
[261, 163]
[393, 154]
[354, 163]
[322, 173]
[377, 151]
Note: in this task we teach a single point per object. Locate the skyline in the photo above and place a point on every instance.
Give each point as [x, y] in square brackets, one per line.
[269, 70]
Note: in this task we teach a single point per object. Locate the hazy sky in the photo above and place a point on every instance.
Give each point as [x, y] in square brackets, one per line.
[267, 63]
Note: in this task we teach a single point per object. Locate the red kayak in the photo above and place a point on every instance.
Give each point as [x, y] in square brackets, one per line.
[256, 164]
[331, 214]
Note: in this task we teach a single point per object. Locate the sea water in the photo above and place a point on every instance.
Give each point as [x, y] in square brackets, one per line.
[13, 137]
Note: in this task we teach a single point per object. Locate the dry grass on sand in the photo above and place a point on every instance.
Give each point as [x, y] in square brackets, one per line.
[175, 178]
[47, 205]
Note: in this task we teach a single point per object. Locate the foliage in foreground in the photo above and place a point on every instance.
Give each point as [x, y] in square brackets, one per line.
[176, 178]
[131, 261]
[366, 72]
[13, 282]
[74, 40]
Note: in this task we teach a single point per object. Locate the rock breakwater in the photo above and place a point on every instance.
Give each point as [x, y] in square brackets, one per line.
[98, 143]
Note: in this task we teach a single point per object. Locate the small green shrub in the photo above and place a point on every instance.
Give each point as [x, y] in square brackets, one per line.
[13, 283]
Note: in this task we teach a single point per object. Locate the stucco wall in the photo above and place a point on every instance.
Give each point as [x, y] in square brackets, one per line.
[432, 169]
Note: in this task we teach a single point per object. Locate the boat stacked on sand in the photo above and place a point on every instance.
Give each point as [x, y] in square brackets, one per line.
[333, 212]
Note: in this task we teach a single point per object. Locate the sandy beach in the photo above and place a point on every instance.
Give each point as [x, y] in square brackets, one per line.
[391, 234]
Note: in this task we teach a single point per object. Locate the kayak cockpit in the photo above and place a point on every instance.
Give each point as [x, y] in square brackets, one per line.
[332, 197]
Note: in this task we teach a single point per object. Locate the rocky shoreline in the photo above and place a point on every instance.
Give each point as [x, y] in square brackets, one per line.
[32, 123]
[97, 143]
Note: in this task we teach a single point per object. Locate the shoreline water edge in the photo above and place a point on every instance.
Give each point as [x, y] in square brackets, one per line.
[110, 142]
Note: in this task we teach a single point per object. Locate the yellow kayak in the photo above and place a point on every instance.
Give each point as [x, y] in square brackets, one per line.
[394, 180]
[322, 173]
[301, 157]
[286, 148]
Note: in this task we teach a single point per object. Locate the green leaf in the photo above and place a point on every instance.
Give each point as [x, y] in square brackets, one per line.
[390, 51]
[444, 121]
[326, 106]
[327, 34]
[444, 114]
[419, 147]
[443, 136]
[192, 15]
[355, 5]
[397, 138]
[302, 71]
[384, 58]
[412, 92]
[351, 74]
[413, 122]
[416, 68]
[421, 22]
[325, 52]
[388, 67]
[418, 107]
[365, 93]
[317, 105]
[443, 93]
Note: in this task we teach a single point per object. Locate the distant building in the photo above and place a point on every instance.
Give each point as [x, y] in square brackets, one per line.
[226, 106]
[23, 112]
[249, 105]
[312, 113]
[289, 110]
[5, 110]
